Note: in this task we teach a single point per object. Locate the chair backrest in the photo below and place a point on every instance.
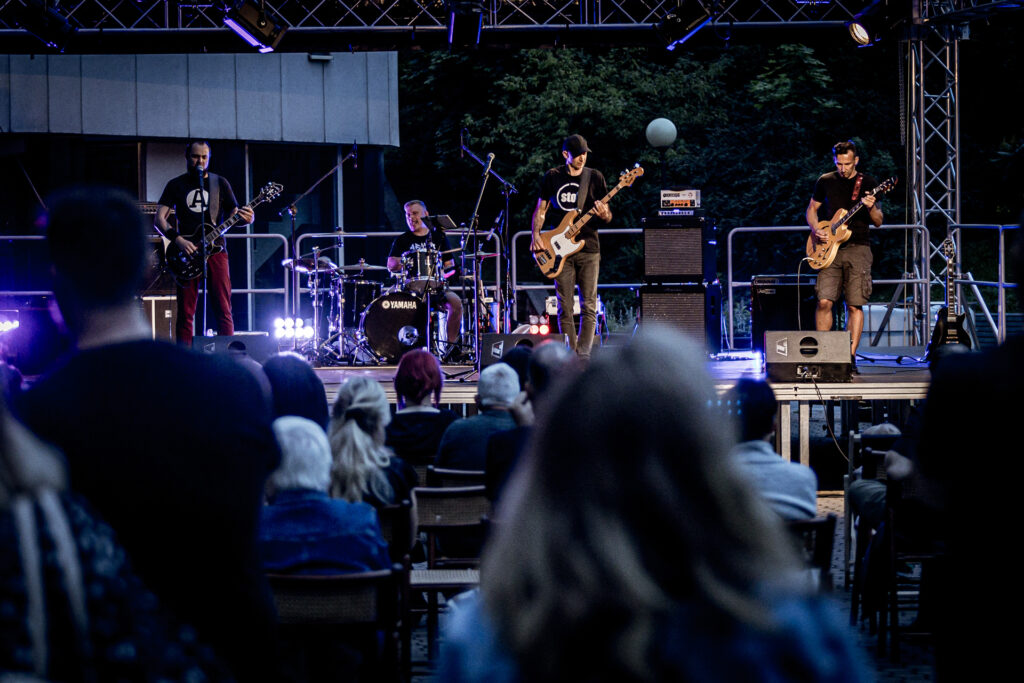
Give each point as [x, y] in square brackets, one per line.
[815, 539]
[396, 528]
[421, 474]
[357, 598]
[873, 463]
[440, 477]
[450, 506]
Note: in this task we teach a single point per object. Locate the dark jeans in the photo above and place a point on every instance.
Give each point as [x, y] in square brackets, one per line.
[581, 268]
[219, 299]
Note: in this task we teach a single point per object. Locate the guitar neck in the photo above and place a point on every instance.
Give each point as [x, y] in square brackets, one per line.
[231, 222]
[582, 220]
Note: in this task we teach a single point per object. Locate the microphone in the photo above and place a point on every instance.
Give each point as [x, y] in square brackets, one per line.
[490, 160]
[496, 227]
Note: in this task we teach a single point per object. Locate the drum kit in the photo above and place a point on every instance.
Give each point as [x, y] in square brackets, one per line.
[357, 320]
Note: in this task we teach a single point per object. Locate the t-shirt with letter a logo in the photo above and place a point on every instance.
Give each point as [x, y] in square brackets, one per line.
[183, 195]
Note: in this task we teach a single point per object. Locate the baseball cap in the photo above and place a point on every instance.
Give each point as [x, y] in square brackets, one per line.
[575, 145]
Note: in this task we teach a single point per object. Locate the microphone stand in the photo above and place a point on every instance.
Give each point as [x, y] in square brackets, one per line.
[202, 246]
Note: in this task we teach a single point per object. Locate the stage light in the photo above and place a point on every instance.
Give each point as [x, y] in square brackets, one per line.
[289, 323]
[534, 329]
[278, 323]
[279, 333]
[679, 26]
[465, 20]
[876, 21]
[544, 329]
[44, 22]
[250, 21]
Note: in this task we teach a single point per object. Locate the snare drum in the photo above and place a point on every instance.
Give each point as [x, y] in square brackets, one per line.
[356, 297]
[395, 323]
[422, 267]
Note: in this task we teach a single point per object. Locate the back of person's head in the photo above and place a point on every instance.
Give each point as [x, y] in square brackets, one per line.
[498, 385]
[613, 523]
[98, 246]
[754, 405]
[356, 434]
[548, 362]
[418, 376]
[295, 388]
[305, 456]
[518, 358]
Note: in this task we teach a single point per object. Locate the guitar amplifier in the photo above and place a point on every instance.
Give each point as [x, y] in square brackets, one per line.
[777, 302]
[679, 249]
[807, 356]
[694, 310]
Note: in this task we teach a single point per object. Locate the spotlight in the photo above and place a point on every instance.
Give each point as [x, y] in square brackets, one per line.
[465, 19]
[250, 21]
[46, 23]
[279, 333]
[544, 329]
[534, 329]
[875, 21]
[278, 323]
[675, 29]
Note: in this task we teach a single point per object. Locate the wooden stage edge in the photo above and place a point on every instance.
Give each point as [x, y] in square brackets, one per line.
[890, 373]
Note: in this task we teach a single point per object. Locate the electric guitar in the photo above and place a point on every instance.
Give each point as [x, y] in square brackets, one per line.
[949, 327]
[185, 266]
[560, 242]
[820, 254]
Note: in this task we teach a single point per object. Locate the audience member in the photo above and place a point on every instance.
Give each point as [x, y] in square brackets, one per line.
[630, 549]
[303, 530]
[416, 429]
[464, 444]
[364, 468]
[171, 447]
[73, 608]
[295, 388]
[548, 361]
[789, 488]
[518, 358]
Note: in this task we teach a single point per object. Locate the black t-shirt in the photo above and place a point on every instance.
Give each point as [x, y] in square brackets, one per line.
[561, 189]
[835, 192]
[182, 195]
[410, 240]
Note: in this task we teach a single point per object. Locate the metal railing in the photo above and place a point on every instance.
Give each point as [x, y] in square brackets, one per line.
[922, 242]
[1001, 285]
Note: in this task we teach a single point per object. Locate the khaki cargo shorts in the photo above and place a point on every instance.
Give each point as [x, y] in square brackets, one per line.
[850, 273]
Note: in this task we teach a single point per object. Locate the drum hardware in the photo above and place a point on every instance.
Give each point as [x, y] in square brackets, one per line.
[360, 266]
[309, 263]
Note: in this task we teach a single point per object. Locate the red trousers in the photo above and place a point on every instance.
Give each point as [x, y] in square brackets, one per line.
[219, 299]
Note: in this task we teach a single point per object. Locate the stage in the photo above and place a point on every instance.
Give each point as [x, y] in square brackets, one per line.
[885, 374]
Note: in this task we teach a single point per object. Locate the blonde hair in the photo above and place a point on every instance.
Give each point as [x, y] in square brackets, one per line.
[356, 434]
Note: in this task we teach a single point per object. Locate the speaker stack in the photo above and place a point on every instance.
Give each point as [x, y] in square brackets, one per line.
[681, 287]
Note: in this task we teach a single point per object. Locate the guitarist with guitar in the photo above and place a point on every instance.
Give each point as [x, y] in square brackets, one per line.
[849, 274]
[571, 188]
[194, 208]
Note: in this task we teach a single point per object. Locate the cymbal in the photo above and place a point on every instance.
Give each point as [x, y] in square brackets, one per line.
[360, 265]
[481, 254]
[307, 264]
[451, 251]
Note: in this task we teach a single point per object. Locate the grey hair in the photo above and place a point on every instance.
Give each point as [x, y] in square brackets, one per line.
[498, 385]
[356, 433]
[305, 455]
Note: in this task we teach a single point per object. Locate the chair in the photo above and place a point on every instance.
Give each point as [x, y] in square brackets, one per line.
[440, 477]
[461, 509]
[421, 474]
[396, 528]
[363, 612]
[815, 540]
[872, 469]
[858, 444]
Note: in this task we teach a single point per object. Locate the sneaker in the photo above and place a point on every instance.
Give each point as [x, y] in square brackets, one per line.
[853, 364]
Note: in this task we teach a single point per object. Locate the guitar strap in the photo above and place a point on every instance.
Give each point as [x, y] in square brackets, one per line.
[856, 187]
[581, 196]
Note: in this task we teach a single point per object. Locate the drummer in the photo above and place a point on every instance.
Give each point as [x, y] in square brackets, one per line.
[420, 235]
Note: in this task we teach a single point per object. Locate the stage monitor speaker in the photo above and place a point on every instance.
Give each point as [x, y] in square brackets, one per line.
[774, 302]
[494, 346]
[805, 356]
[695, 310]
[259, 347]
[679, 249]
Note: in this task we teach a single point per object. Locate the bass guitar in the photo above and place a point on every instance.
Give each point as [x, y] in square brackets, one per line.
[820, 254]
[560, 242]
[185, 266]
[949, 327]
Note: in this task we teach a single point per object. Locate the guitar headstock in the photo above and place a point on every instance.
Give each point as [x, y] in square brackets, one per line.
[949, 249]
[886, 185]
[270, 191]
[627, 178]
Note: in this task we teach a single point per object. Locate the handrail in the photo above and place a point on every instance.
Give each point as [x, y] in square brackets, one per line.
[762, 230]
[156, 239]
[1001, 284]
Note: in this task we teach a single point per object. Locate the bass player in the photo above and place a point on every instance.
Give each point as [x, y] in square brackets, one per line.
[850, 273]
[192, 207]
[563, 189]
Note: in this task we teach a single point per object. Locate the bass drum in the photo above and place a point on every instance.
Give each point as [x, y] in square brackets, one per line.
[395, 323]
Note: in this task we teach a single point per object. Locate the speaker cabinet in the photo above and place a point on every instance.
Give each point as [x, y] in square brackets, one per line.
[806, 356]
[679, 249]
[259, 347]
[695, 310]
[775, 301]
[494, 346]
[162, 315]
